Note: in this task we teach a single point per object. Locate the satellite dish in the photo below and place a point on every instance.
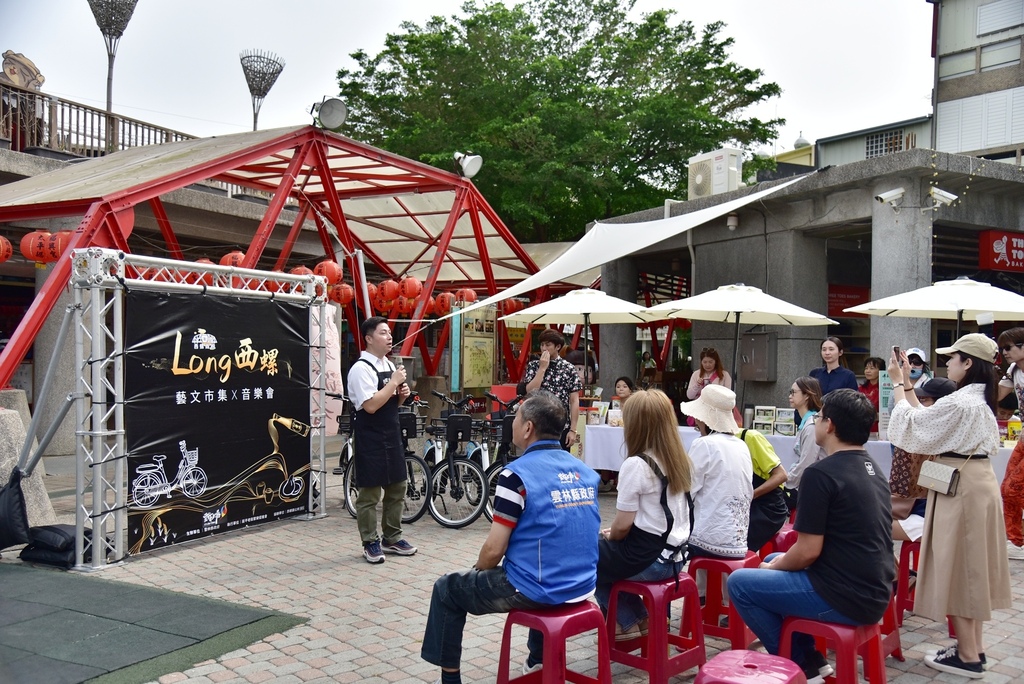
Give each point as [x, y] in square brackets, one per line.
[469, 164]
[331, 114]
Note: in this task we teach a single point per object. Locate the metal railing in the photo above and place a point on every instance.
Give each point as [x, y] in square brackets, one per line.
[29, 118]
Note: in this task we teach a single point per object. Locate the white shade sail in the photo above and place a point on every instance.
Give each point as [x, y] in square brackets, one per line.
[607, 242]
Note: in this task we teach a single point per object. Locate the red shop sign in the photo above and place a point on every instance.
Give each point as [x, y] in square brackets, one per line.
[1001, 250]
[844, 296]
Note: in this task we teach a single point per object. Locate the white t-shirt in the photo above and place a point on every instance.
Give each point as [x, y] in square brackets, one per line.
[722, 491]
[640, 491]
[1016, 384]
[362, 379]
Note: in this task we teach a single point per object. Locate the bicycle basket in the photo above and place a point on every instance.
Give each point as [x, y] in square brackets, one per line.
[459, 427]
[407, 423]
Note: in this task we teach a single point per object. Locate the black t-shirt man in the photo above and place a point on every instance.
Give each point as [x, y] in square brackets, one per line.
[845, 498]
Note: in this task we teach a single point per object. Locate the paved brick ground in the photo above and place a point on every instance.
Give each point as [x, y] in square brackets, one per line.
[366, 622]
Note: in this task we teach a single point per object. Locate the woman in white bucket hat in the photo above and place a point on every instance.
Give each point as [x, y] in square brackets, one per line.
[722, 474]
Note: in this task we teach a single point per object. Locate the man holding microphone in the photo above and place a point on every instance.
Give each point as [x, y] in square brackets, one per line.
[377, 388]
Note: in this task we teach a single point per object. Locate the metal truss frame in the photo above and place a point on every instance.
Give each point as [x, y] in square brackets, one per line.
[100, 278]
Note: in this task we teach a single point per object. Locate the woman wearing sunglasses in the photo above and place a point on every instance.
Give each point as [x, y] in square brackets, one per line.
[920, 371]
[1011, 344]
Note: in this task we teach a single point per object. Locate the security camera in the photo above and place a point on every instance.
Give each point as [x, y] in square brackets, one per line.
[890, 197]
[941, 197]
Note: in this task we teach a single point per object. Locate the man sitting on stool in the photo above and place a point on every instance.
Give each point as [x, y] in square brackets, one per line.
[546, 524]
[840, 569]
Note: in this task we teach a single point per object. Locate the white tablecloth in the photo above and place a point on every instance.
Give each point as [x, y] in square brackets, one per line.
[604, 449]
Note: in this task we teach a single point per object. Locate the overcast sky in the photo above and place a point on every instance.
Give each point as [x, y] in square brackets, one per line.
[842, 66]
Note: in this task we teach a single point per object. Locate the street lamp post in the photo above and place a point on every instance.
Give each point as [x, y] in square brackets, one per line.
[112, 16]
[261, 71]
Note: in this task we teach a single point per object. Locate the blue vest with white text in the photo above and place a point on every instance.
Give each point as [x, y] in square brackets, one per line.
[552, 552]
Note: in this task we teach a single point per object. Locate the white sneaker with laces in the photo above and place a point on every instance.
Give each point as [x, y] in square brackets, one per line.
[1014, 552]
[527, 668]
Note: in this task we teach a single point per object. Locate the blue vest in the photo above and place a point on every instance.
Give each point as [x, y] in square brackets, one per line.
[552, 552]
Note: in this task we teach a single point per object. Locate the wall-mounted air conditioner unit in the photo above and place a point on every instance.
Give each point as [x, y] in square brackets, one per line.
[715, 172]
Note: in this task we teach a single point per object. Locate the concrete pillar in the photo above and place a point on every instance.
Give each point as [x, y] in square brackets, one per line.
[15, 400]
[901, 260]
[37, 500]
[63, 443]
[618, 341]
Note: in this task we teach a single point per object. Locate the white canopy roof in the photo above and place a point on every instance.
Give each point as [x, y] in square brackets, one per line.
[610, 241]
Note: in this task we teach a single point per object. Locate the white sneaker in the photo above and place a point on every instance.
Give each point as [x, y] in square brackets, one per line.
[527, 669]
[1014, 552]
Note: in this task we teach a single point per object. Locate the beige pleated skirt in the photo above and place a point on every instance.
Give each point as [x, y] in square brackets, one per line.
[963, 569]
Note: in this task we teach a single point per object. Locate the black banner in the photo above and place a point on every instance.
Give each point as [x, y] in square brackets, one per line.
[216, 414]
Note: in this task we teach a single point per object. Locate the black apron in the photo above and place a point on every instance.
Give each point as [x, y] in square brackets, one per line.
[380, 455]
[623, 558]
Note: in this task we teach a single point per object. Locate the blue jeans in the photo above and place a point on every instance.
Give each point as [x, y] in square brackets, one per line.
[631, 609]
[472, 591]
[763, 598]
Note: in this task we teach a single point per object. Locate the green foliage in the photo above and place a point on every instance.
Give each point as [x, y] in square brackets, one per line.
[579, 113]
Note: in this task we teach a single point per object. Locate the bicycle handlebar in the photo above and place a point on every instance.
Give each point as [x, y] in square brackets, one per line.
[464, 403]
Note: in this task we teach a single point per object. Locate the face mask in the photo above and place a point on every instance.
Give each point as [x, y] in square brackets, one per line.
[916, 372]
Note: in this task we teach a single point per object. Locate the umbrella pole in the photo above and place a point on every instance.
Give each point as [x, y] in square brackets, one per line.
[736, 353]
[586, 336]
[959, 322]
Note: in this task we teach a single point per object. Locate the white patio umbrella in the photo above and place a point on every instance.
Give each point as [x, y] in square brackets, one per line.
[584, 306]
[738, 304]
[949, 300]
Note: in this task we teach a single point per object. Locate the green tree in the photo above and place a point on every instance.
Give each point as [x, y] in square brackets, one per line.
[580, 112]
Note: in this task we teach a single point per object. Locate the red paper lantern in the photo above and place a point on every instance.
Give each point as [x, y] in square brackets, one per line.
[371, 291]
[343, 294]
[301, 271]
[331, 270]
[443, 303]
[6, 250]
[465, 295]
[411, 287]
[34, 246]
[234, 258]
[202, 279]
[431, 308]
[57, 243]
[390, 289]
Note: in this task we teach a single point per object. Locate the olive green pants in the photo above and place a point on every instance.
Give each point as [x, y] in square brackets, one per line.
[366, 512]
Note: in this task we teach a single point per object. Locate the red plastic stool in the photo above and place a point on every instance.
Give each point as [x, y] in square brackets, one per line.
[847, 641]
[891, 644]
[909, 555]
[738, 634]
[749, 667]
[783, 541]
[557, 625]
[654, 655]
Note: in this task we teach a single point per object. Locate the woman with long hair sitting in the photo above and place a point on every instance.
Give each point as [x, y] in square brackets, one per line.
[648, 536]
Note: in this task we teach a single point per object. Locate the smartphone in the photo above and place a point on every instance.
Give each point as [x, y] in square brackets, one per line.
[896, 351]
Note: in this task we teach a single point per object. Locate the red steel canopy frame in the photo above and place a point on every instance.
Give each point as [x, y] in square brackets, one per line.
[407, 218]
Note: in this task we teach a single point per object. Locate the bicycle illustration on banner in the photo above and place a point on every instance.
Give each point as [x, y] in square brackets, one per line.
[151, 479]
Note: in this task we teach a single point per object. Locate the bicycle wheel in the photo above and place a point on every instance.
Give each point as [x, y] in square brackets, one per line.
[492, 484]
[350, 489]
[458, 498]
[417, 488]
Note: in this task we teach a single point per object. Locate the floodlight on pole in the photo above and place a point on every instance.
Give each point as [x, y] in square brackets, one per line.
[112, 16]
[468, 164]
[261, 71]
[329, 113]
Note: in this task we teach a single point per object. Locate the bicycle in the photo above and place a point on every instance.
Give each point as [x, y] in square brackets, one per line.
[459, 492]
[418, 478]
[500, 427]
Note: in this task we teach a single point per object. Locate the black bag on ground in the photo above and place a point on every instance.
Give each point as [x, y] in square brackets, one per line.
[52, 545]
[13, 513]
